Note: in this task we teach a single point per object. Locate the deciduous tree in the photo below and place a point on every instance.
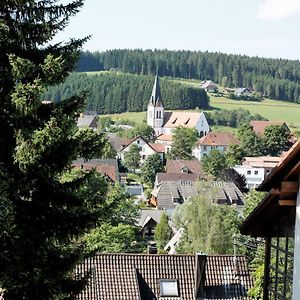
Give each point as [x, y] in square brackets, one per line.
[214, 163]
[163, 232]
[132, 157]
[276, 140]
[151, 166]
[183, 142]
[207, 227]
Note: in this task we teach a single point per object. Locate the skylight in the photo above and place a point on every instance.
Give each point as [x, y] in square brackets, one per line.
[168, 287]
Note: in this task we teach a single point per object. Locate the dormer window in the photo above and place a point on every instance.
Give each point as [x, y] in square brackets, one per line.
[184, 169]
[168, 288]
[186, 122]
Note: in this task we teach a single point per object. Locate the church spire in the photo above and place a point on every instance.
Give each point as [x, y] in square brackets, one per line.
[156, 98]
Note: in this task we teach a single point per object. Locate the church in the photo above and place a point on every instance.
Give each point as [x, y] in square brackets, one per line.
[164, 122]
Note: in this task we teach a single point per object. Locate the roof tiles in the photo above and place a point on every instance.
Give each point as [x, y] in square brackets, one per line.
[136, 276]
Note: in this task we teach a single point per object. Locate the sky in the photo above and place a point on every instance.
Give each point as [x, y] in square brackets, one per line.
[264, 28]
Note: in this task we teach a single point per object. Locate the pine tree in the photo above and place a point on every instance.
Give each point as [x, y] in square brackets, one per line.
[42, 217]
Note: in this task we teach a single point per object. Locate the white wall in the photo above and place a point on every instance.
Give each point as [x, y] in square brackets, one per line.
[201, 150]
[254, 176]
[145, 150]
[202, 125]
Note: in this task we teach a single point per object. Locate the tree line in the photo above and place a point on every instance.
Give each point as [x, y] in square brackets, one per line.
[115, 93]
[274, 78]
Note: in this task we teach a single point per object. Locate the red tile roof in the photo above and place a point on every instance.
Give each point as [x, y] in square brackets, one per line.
[106, 167]
[176, 166]
[180, 118]
[260, 126]
[218, 139]
[165, 137]
[158, 147]
[176, 176]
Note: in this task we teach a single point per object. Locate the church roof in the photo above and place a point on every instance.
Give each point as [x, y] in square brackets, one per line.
[156, 98]
[180, 118]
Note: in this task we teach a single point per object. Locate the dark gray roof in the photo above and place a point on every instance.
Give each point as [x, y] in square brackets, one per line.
[137, 276]
[229, 193]
[146, 214]
[156, 98]
[171, 193]
[87, 121]
[117, 142]
[181, 190]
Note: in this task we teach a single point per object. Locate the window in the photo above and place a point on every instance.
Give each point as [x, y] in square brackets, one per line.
[138, 141]
[143, 156]
[248, 172]
[256, 172]
[168, 288]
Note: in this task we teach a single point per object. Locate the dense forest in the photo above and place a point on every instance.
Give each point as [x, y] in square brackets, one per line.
[111, 92]
[274, 78]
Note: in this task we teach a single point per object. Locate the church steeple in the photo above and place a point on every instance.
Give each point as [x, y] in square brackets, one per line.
[156, 98]
[155, 110]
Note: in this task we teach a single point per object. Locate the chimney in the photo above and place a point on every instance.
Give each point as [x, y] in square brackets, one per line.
[201, 260]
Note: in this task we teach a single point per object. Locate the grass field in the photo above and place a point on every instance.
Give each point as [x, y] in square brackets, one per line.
[273, 110]
[270, 109]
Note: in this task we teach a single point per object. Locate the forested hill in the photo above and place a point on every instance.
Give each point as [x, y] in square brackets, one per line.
[274, 78]
[111, 92]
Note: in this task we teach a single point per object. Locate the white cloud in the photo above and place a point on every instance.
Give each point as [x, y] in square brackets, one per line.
[271, 10]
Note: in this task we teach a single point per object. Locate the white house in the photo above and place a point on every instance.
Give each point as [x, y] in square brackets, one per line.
[242, 92]
[256, 169]
[254, 176]
[164, 122]
[166, 140]
[209, 86]
[213, 140]
[146, 149]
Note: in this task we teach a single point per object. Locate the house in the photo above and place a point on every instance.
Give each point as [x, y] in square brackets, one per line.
[256, 169]
[147, 221]
[107, 167]
[168, 195]
[260, 126]
[88, 120]
[151, 276]
[209, 86]
[242, 92]
[146, 149]
[277, 219]
[214, 140]
[184, 166]
[254, 175]
[164, 122]
[165, 139]
[175, 177]
[117, 142]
